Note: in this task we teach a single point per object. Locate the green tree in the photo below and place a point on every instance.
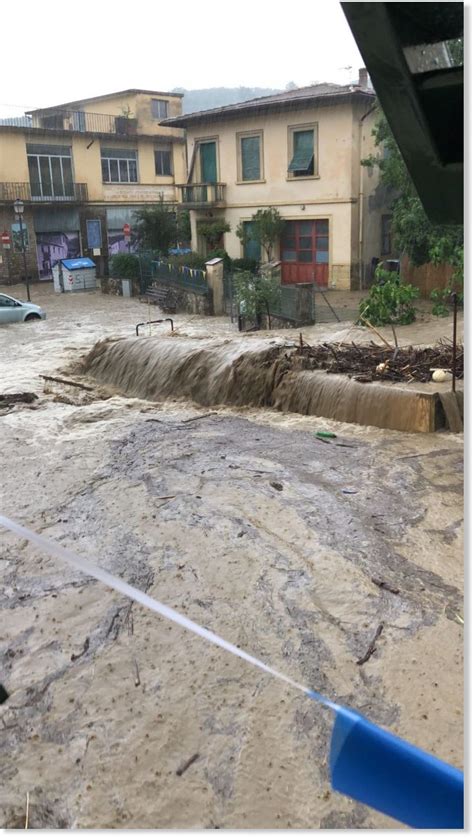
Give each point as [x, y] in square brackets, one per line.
[257, 293]
[414, 234]
[212, 232]
[183, 226]
[266, 228]
[156, 227]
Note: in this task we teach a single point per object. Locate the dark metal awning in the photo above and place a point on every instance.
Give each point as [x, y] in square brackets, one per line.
[419, 83]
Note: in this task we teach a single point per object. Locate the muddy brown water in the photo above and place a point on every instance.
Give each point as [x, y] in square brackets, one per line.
[258, 373]
[187, 511]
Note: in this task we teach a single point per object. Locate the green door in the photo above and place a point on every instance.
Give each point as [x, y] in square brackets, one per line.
[208, 162]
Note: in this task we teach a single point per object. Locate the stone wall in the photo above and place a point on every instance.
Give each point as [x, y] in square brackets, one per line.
[187, 302]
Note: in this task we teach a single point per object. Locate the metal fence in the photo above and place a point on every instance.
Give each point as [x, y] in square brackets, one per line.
[183, 278]
[292, 306]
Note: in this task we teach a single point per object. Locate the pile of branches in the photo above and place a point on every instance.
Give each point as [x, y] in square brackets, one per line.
[378, 363]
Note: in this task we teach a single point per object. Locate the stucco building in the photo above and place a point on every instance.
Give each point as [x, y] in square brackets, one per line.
[299, 151]
[93, 160]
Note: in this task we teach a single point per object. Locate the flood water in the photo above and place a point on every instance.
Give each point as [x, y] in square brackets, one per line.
[241, 519]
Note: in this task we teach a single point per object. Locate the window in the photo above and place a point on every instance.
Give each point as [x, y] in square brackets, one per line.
[250, 157]
[119, 165]
[252, 248]
[302, 152]
[163, 161]
[386, 234]
[306, 241]
[159, 108]
[50, 169]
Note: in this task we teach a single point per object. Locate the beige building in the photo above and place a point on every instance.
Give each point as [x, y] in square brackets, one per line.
[82, 168]
[298, 151]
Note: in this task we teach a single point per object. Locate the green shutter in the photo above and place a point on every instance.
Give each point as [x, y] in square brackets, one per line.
[250, 153]
[303, 151]
[208, 162]
[251, 247]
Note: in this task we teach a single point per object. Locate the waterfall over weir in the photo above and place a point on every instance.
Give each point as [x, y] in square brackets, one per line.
[255, 373]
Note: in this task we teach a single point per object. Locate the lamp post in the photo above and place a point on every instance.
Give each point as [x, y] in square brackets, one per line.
[19, 208]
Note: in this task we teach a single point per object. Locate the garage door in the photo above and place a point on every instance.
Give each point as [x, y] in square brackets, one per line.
[304, 249]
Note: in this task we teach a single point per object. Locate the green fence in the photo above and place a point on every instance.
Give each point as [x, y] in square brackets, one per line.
[152, 268]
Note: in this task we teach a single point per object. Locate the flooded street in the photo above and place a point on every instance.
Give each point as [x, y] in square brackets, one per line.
[242, 520]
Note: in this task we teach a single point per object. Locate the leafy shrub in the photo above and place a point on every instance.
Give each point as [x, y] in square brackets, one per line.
[124, 266]
[213, 231]
[389, 301]
[441, 297]
[188, 260]
[251, 265]
[256, 294]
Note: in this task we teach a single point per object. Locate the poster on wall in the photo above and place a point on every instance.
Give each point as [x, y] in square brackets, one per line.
[119, 244]
[51, 247]
[16, 237]
[94, 233]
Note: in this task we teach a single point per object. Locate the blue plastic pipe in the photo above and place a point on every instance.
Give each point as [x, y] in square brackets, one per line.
[390, 775]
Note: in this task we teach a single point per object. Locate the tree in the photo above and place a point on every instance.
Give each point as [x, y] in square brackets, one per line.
[183, 226]
[212, 231]
[266, 228]
[413, 232]
[257, 294]
[156, 227]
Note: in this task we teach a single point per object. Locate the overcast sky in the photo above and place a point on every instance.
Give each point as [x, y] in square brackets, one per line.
[69, 52]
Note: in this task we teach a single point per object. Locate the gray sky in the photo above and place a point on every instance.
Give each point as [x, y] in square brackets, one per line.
[98, 46]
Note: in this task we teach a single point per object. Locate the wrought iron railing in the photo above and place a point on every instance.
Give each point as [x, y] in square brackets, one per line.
[202, 193]
[37, 193]
[99, 123]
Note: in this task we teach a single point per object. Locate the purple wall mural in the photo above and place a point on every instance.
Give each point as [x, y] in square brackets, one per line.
[51, 247]
[117, 243]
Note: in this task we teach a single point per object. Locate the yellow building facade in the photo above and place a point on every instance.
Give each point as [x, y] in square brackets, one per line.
[82, 169]
[299, 151]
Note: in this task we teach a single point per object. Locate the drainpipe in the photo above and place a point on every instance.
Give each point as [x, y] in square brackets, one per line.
[361, 196]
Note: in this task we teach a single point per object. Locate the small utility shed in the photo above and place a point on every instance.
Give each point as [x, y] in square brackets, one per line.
[74, 275]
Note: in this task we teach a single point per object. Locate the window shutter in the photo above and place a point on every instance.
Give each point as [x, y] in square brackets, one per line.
[250, 154]
[303, 151]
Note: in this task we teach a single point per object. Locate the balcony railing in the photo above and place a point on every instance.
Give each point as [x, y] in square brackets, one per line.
[72, 193]
[202, 194]
[99, 123]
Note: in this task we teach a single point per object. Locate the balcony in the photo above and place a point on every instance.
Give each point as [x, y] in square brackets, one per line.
[197, 195]
[71, 193]
[92, 123]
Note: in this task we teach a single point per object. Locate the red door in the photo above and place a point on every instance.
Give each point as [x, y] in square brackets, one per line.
[304, 249]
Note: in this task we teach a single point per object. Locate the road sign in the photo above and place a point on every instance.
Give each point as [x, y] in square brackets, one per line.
[6, 239]
[126, 229]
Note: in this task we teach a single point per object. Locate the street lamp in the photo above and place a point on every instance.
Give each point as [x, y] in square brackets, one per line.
[19, 208]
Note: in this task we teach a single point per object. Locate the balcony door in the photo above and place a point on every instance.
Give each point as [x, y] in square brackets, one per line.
[50, 170]
[208, 161]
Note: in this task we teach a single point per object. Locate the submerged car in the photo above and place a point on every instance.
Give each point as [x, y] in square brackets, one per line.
[13, 310]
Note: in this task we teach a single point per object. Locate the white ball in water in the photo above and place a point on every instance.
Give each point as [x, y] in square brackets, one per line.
[440, 375]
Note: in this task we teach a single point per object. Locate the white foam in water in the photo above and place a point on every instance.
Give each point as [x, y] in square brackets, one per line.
[127, 590]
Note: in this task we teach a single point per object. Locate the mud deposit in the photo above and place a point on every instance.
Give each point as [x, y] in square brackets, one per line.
[242, 521]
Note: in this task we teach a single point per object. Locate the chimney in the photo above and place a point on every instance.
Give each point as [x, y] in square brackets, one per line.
[363, 78]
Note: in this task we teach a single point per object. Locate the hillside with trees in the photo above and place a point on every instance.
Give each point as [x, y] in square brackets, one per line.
[217, 97]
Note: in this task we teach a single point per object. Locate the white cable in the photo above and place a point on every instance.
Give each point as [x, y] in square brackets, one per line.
[127, 590]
